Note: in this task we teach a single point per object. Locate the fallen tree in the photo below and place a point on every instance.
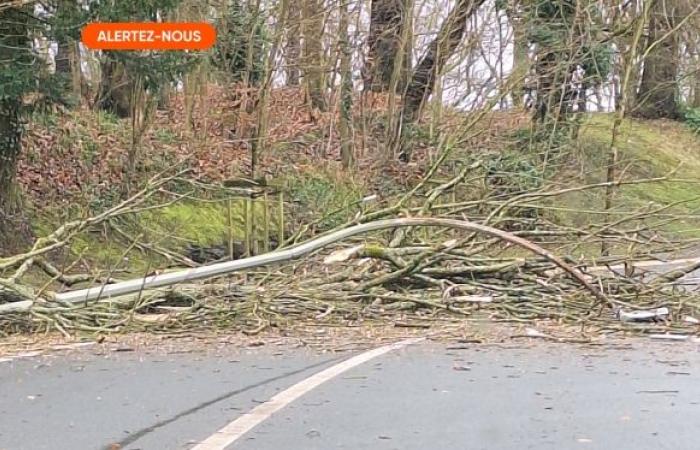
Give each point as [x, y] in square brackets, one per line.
[502, 266]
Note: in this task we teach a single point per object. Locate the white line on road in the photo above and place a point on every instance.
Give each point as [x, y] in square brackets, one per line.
[234, 430]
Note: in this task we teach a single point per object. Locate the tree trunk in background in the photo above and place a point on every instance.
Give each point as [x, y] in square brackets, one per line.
[388, 18]
[293, 50]
[696, 90]
[313, 57]
[115, 88]
[695, 46]
[521, 60]
[658, 91]
[10, 146]
[345, 123]
[63, 58]
[430, 66]
[67, 57]
[564, 32]
[14, 40]
[259, 142]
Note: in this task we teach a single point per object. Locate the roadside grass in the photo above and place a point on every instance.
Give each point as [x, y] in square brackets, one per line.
[645, 150]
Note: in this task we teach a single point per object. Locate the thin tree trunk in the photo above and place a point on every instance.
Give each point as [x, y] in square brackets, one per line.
[695, 99]
[433, 61]
[67, 59]
[658, 91]
[621, 111]
[66, 9]
[345, 125]
[293, 50]
[313, 66]
[521, 60]
[432, 64]
[696, 91]
[261, 130]
[63, 58]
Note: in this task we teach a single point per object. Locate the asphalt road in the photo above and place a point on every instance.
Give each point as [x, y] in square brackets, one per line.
[426, 396]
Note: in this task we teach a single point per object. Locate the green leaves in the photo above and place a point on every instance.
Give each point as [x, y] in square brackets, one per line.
[155, 69]
[23, 72]
[241, 36]
[597, 60]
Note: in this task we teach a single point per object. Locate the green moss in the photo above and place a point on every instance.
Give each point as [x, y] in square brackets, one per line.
[206, 223]
[172, 228]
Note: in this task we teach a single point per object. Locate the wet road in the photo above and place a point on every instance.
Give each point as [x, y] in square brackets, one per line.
[429, 395]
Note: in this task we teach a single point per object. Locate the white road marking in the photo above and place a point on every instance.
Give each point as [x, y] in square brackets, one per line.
[234, 430]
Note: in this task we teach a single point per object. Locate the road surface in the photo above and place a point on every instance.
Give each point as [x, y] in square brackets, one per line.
[428, 395]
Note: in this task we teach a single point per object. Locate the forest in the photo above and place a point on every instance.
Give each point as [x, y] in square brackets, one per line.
[409, 163]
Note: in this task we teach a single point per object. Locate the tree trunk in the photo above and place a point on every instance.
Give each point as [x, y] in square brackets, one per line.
[696, 90]
[346, 88]
[521, 59]
[388, 18]
[10, 146]
[433, 61]
[658, 91]
[115, 88]
[436, 56]
[67, 59]
[694, 99]
[293, 50]
[556, 63]
[15, 47]
[313, 66]
[259, 141]
[63, 58]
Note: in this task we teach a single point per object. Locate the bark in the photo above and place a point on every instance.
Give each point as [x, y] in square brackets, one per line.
[63, 58]
[345, 122]
[582, 100]
[65, 9]
[696, 91]
[14, 40]
[293, 50]
[521, 60]
[436, 56]
[115, 89]
[10, 146]
[313, 67]
[658, 91]
[67, 59]
[388, 19]
[556, 65]
[429, 68]
[695, 45]
[261, 129]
